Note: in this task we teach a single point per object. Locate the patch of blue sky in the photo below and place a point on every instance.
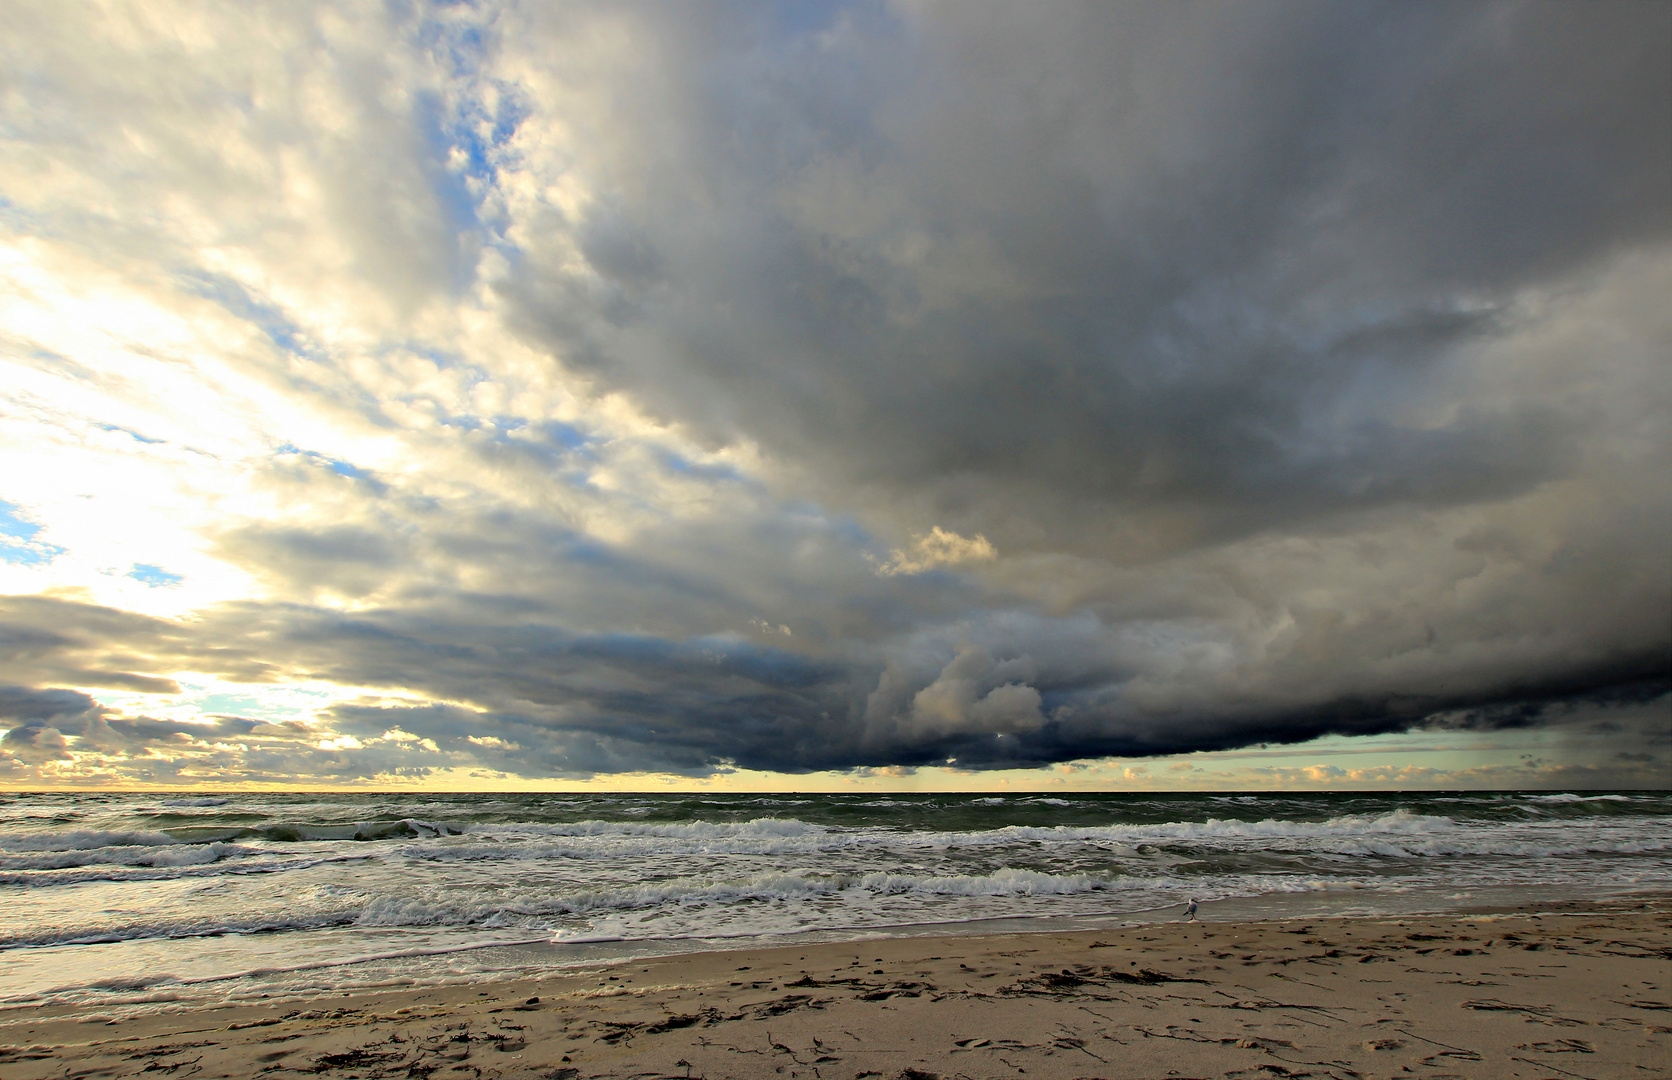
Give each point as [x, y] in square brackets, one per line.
[336, 465]
[557, 433]
[154, 576]
[513, 109]
[249, 705]
[553, 444]
[273, 705]
[27, 552]
[457, 128]
[237, 299]
[14, 525]
[464, 422]
[677, 463]
[343, 468]
[482, 135]
[464, 153]
[580, 480]
[469, 131]
[130, 433]
[457, 44]
[18, 545]
[443, 134]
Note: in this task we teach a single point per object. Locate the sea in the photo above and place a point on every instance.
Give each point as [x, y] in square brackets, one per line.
[142, 901]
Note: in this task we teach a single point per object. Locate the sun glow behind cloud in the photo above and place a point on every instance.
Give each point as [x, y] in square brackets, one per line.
[538, 396]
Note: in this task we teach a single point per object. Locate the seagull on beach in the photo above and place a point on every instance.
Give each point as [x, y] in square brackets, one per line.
[1190, 910]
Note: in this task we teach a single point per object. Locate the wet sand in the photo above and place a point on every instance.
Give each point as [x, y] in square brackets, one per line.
[1557, 995]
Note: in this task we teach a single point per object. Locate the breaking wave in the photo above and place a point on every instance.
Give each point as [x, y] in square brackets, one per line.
[169, 854]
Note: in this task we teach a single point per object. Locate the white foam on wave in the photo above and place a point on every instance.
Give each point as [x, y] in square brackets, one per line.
[249, 862]
[635, 847]
[398, 829]
[1003, 882]
[783, 836]
[775, 886]
[1569, 797]
[84, 839]
[172, 853]
[178, 927]
[1397, 834]
[1532, 845]
[1213, 829]
[765, 827]
[124, 844]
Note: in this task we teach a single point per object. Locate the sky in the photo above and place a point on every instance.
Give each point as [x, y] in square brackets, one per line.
[834, 396]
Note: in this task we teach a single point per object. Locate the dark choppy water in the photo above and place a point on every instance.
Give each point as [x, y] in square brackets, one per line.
[124, 898]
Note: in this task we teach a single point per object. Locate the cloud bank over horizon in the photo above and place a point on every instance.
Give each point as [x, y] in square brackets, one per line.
[588, 390]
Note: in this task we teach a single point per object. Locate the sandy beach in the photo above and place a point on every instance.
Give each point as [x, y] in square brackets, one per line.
[1555, 994]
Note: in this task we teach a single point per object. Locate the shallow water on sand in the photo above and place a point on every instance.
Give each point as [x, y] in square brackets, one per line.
[123, 898]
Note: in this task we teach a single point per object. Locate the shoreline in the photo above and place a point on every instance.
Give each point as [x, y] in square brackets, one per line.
[406, 966]
[1545, 992]
[131, 991]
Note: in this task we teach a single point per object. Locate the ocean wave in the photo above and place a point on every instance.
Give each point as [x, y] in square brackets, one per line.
[1482, 846]
[1003, 882]
[684, 830]
[1213, 829]
[278, 832]
[402, 829]
[84, 839]
[1399, 834]
[1397, 821]
[592, 839]
[494, 910]
[169, 854]
[767, 887]
[1568, 797]
[768, 901]
[248, 863]
[179, 927]
[611, 847]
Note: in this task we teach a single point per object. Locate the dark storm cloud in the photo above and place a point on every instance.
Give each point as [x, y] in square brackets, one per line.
[1147, 261]
[49, 640]
[22, 703]
[541, 701]
[1143, 283]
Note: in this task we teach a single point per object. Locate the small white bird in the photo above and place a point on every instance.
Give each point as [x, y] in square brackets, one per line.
[1190, 910]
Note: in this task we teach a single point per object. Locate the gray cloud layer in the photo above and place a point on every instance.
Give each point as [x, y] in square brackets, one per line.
[1166, 274]
[1301, 367]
